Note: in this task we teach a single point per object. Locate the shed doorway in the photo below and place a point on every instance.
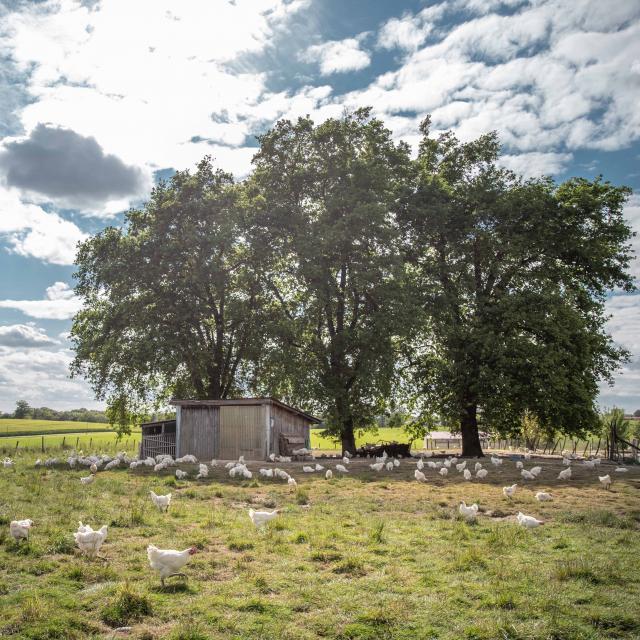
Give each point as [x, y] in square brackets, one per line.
[242, 432]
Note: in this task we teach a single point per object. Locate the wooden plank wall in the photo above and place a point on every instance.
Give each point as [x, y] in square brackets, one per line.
[284, 421]
[200, 432]
[242, 432]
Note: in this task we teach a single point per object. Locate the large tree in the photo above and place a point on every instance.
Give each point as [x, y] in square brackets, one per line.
[514, 275]
[330, 191]
[173, 303]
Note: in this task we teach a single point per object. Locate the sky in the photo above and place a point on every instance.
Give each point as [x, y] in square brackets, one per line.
[100, 98]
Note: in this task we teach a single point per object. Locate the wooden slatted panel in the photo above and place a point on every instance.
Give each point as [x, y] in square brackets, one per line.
[284, 421]
[199, 428]
[242, 432]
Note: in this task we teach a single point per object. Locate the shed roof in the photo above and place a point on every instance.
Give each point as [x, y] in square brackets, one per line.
[244, 401]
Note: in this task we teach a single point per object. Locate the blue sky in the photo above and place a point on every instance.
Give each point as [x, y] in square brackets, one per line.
[99, 97]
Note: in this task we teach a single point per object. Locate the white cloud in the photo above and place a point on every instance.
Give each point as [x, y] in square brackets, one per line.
[60, 304]
[24, 336]
[41, 377]
[33, 232]
[145, 81]
[536, 163]
[338, 56]
[550, 76]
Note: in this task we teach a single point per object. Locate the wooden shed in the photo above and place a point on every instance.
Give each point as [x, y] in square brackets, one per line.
[227, 429]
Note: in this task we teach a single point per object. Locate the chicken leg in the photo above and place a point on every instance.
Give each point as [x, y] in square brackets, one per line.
[173, 575]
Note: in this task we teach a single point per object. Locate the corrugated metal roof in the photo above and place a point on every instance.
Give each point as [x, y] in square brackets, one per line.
[243, 401]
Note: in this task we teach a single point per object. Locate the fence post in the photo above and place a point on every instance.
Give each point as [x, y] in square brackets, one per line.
[17, 443]
[77, 441]
[42, 445]
[90, 443]
[63, 440]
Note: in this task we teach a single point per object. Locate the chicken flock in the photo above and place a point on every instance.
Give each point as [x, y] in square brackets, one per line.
[169, 562]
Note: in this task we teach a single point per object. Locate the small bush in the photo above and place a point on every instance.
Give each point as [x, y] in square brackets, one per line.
[126, 607]
[350, 566]
[61, 543]
[300, 538]
[377, 533]
[240, 545]
[302, 497]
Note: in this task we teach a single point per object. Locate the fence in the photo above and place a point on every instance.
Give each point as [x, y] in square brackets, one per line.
[162, 444]
[55, 442]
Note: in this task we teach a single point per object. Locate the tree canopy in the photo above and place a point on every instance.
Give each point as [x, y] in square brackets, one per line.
[350, 279]
[513, 277]
[173, 304]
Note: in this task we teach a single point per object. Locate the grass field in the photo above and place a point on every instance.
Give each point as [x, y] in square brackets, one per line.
[363, 556]
[13, 426]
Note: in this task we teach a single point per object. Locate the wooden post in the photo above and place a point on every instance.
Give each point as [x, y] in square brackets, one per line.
[64, 438]
[77, 441]
[42, 445]
[598, 449]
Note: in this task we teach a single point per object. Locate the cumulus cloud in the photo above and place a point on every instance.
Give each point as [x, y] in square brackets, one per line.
[24, 336]
[60, 303]
[145, 83]
[551, 77]
[69, 169]
[33, 232]
[338, 56]
[536, 163]
[42, 377]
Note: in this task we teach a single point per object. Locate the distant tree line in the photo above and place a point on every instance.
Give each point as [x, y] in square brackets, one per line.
[24, 410]
[352, 279]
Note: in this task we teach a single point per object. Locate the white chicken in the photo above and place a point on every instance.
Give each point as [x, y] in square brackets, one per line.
[319, 467]
[87, 479]
[420, 464]
[203, 471]
[345, 460]
[260, 518]
[496, 462]
[467, 474]
[565, 474]
[19, 529]
[468, 512]
[329, 474]
[519, 464]
[396, 462]
[88, 540]
[529, 522]
[536, 471]
[566, 462]
[7, 463]
[390, 466]
[419, 476]
[168, 562]
[461, 467]
[509, 492]
[377, 466]
[307, 469]
[341, 468]
[162, 502]
[266, 473]
[542, 496]
[180, 474]
[432, 465]
[93, 468]
[605, 481]
[272, 457]
[443, 472]
[428, 454]
[481, 474]
[527, 475]
[37, 463]
[590, 464]
[188, 459]
[621, 469]
[292, 482]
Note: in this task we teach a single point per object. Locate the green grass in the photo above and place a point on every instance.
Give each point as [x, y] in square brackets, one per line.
[384, 433]
[360, 557]
[53, 444]
[14, 426]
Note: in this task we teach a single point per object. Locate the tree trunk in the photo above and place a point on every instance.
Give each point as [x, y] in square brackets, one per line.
[347, 436]
[470, 436]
